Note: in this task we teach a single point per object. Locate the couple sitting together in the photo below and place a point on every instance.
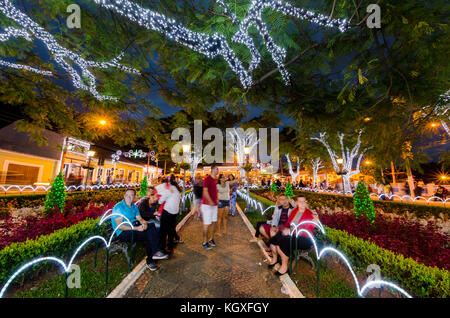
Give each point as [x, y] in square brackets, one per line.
[278, 230]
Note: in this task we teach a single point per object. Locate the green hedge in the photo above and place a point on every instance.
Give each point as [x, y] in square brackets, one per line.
[417, 279]
[61, 243]
[318, 200]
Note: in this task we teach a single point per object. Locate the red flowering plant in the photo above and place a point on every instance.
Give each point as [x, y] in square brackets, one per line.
[409, 238]
[22, 229]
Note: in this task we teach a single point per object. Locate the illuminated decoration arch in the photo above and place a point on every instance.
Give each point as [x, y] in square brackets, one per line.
[67, 267]
[296, 231]
[212, 46]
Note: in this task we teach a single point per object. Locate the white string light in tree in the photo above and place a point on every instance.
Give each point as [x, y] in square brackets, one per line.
[60, 54]
[348, 157]
[210, 45]
[254, 18]
[216, 45]
[11, 33]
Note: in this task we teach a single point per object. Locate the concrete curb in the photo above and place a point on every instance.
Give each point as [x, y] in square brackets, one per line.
[132, 277]
[286, 280]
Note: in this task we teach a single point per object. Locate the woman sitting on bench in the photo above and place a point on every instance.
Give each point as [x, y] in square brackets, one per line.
[280, 243]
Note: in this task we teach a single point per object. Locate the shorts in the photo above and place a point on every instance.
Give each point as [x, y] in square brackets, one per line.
[209, 213]
[224, 203]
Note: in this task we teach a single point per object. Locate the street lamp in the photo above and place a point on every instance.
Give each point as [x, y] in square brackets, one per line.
[90, 154]
[102, 122]
[341, 173]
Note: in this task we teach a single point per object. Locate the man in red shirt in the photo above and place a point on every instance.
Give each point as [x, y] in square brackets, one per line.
[209, 207]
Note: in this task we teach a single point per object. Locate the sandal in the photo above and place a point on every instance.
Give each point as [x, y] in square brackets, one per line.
[270, 266]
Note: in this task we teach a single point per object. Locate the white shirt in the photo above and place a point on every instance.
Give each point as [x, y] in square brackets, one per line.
[171, 198]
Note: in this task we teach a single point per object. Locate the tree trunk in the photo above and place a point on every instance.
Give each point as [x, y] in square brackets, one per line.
[393, 173]
[410, 179]
[346, 181]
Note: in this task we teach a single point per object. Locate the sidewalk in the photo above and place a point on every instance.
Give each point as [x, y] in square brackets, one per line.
[229, 270]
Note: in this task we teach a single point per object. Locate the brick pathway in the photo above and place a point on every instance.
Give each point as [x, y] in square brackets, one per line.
[229, 270]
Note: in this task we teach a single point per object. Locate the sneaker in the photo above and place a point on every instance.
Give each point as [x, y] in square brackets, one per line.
[180, 241]
[152, 267]
[206, 246]
[212, 243]
[160, 255]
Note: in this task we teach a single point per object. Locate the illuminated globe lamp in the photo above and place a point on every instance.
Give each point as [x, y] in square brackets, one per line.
[102, 122]
[340, 161]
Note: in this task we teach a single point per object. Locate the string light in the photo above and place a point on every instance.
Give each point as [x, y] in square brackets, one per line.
[60, 54]
[254, 18]
[347, 157]
[210, 45]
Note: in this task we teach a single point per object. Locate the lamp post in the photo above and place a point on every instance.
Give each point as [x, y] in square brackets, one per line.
[186, 149]
[90, 155]
[247, 155]
[341, 173]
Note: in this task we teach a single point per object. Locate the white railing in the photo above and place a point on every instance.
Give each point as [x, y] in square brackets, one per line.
[29, 188]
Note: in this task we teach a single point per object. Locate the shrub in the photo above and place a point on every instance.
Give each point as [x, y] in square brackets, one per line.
[363, 203]
[332, 201]
[32, 227]
[61, 243]
[56, 196]
[417, 279]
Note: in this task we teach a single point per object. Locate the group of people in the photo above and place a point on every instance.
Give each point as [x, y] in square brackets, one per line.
[154, 218]
[214, 200]
[278, 232]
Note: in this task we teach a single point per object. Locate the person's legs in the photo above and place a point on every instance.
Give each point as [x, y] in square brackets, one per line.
[151, 244]
[233, 203]
[263, 232]
[274, 250]
[284, 261]
[225, 220]
[219, 220]
[172, 232]
[206, 216]
[214, 213]
[163, 230]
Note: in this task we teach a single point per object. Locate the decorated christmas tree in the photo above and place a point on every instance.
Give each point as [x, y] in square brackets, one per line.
[289, 192]
[363, 204]
[144, 187]
[56, 197]
[273, 187]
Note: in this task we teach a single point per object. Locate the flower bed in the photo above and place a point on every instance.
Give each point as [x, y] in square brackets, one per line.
[332, 201]
[411, 239]
[22, 229]
[9, 202]
[60, 243]
[419, 279]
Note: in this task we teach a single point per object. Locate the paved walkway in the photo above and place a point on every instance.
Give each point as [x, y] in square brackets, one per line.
[229, 270]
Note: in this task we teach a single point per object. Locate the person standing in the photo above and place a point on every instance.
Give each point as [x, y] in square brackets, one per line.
[198, 193]
[223, 189]
[171, 199]
[233, 196]
[209, 208]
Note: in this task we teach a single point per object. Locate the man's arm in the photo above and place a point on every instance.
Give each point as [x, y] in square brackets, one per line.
[123, 227]
[207, 196]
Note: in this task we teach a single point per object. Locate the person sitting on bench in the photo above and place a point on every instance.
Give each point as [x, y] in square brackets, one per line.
[142, 232]
[280, 242]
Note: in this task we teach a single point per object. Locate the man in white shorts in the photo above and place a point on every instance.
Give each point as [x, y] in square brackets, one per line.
[209, 208]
